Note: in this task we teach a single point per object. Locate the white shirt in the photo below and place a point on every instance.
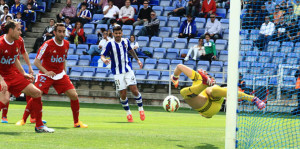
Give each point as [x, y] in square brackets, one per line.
[134, 44]
[111, 12]
[126, 12]
[9, 14]
[267, 29]
[201, 50]
[103, 42]
[213, 28]
[1, 7]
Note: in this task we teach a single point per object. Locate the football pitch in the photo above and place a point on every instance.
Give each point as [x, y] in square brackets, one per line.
[108, 128]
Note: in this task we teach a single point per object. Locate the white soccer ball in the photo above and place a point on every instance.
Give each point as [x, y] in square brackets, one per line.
[171, 103]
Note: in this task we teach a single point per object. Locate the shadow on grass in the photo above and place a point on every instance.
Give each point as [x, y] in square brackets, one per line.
[64, 128]
[119, 122]
[10, 133]
[206, 146]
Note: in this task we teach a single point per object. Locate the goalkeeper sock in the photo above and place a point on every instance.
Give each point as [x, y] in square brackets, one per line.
[218, 91]
[175, 78]
[139, 102]
[125, 105]
[192, 91]
[5, 110]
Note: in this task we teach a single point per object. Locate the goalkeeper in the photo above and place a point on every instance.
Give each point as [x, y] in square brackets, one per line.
[203, 96]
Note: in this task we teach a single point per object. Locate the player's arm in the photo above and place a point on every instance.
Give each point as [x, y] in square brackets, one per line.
[105, 52]
[20, 68]
[38, 64]
[65, 66]
[133, 54]
[104, 60]
[27, 61]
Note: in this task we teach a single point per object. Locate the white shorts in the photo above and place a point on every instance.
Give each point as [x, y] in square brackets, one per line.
[124, 80]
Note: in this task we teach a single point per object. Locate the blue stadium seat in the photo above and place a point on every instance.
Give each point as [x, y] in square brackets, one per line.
[226, 34]
[159, 53]
[192, 42]
[165, 76]
[88, 73]
[76, 73]
[204, 65]
[244, 34]
[150, 63]
[127, 30]
[162, 21]
[153, 75]
[31, 57]
[180, 43]
[190, 63]
[221, 44]
[26, 68]
[269, 69]
[174, 63]
[172, 53]
[244, 67]
[97, 17]
[297, 47]
[167, 10]
[251, 56]
[94, 61]
[273, 46]
[41, 7]
[149, 49]
[216, 66]
[163, 64]
[200, 32]
[200, 22]
[136, 8]
[101, 73]
[223, 56]
[167, 42]
[165, 32]
[158, 10]
[273, 81]
[228, 14]
[72, 60]
[83, 46]
[155, 42]
[256, 68]
[225, 66]
[278, 57]
[154, 2]
[165, 3]
[254, 33]
[220, 79]
[137, 29]
[91, 39]
[221, 12]
[89, 28]
[143, 41]
[135, 65]
[140, 74]
[182, 52]
[99, 26]
[84, 60]
[174, 21]
[293, 58]
[287, 47]
[246, 45]
[175, 32]
[224, 23]
[265, 57]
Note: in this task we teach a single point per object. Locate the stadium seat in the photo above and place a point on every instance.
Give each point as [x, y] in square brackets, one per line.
[223, 56]
[190, 63]
[293, 58]
[167, 9]
[165, 77]
[97, 17]
[153, 75]
[135, 65]
[265, 57]
[172, 53]
[83, 46]
[88, 73]
[269, 69]
[244, 34]
[221, 12]
[221, 44]
[35, 69]
[89, 28]
[163, 64]
[175, 32]
[278, 57]
[91, 39]
[94, 61]
[174, 21]
[246, 45]
[101, 73]
[127, 30]
[226, 34]
[165, 3]
[174, 63]
[141, 74]
[72, 60]
[204, 65]
[254, 33]
[158, 10]
[256, 68]
[224, 23]
[180, 43]
[225, 66]
[31, 57]
[297, 47]
[26, 68]
[155, 42]
[143, 41]
[182, 52]
[200, 22]
[154, 2]
[220, 78]
[76, 73]
[136, 8]
[159, 53]
[165, 32]
[167, 42]
[251, 56]
[216, 66]
[192, 42]
[84, 60]
[273, 46]
[41, 7]
[200, 32]
[99, 26]
[244, 67]
[137, 29]
[228, 14]
[162, 21]
[287, 47]
[150, 63]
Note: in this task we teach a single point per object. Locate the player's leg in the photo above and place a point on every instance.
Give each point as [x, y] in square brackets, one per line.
[72, 94]
[178, 70]
[4, 99]
[28, 110]
[4, 113]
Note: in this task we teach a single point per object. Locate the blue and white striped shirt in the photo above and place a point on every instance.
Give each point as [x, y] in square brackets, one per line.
[91, 6]
[118, 53]
[85, 13]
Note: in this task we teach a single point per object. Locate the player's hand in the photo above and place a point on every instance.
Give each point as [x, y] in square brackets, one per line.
[3, 86]
[140, 64]
[31, 72]
[106, 61]
[50, 73]
[29, 77]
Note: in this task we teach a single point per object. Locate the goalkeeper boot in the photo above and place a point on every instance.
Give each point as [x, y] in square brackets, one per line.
[175, 81]
[259, 104]
[206, 80]
[21, 122]
[142, 115]
[4, 120]
[129, 118]
[80, 125]
[43, 129]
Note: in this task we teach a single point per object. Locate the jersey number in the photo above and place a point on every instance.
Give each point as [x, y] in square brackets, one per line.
[43, 79]
[117, 82]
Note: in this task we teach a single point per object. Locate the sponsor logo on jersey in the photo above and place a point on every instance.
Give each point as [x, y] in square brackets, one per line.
[6, 51]
[8, 60]
[58, 59]
[54, 51]
[42, 51]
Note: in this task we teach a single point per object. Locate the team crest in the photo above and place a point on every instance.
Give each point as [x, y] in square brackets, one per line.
[54, 51]
[6, 51]
[66, 50]
[17, 50]
[40, 85]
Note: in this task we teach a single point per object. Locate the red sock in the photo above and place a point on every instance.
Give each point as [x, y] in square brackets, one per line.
[28, 98]
[5, 110]
[28, 109]
[2, 105]
[75, 110]
[37, 108]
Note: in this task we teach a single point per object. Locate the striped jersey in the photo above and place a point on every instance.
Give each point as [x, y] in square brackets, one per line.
[85, 13]
[91, 6]
[118, 53]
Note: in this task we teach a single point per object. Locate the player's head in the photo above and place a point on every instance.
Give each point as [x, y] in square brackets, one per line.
[118, 33]
[13, 29]
[59, 31]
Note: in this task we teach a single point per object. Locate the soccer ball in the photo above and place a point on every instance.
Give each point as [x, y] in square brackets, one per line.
[171, 103]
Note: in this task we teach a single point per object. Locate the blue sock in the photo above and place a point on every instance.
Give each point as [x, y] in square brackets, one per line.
[125, 105]
[139, 101]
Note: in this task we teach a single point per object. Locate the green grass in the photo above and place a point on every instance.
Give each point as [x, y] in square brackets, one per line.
[108, 128]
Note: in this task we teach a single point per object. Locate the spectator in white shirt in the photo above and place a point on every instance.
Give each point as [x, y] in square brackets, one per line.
[6, 13]
[2, 4]
[196, 51]
[126, 14]
[110, 12]
[135, 46]
[265, 34]
[213, 28]
[101, 46]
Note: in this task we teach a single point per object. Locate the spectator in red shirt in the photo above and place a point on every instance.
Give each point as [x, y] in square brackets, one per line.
[208, 7]
[77, 35]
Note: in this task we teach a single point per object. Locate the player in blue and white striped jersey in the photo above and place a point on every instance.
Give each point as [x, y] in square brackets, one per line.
[117, 49]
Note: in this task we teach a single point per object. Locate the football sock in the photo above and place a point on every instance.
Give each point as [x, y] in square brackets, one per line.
[28, 98]
[139, 102]
[218, 91]
[192, 91]
[75, 110]
[175, 77]
[37, 109]
[2, 105]
[28, 109]
[5, 110]
[125, 105]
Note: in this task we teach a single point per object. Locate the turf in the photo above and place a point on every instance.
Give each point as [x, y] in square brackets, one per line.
[108, 128]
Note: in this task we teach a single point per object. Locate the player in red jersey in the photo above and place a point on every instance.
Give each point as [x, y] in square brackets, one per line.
[52, 65]
[13, 78]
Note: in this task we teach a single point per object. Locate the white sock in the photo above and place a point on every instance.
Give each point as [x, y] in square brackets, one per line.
[141, 109]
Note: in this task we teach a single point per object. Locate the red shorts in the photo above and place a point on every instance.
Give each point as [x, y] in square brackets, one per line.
[16, 84]
[61, 86]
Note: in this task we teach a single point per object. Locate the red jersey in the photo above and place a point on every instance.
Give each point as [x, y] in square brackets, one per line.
[53, 55]
[8, 54]
[21, 44]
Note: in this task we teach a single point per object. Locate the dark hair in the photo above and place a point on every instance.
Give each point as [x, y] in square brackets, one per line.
[67, 17]
[57, 25]
[84, 4]
[110, 1]
[207, 35]
[112, 21]
[5, 7]
[77, 23]
[132, 36]
[29, 4]
[9, 24]
[19, 13]
[8, 17]
[189, 16]
[53, 20]
[117, 28]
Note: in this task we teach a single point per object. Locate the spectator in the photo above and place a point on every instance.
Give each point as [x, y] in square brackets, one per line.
[213, 28]
[84, 15]
[281, 29]
[77, 36]
[296, 8]
[196, 51]
[250, 20]
[2, 4]
[69, 27]
[144, 14]
[102, 4]
[188, 28]
[265, 34]
[126, 14]
[47, 34]
[289, 16]
[193, 7]
[28, 17]
[270, 6]
[150, 27]
[102, 44]
[277, 14]
[17, 7]
[261, 15]
[297, 90]
[6, 13]
[67, 11]
[119, 3]
[284, 7]
[93, 6]
[208, 8]
[113, 23]
[210, 50]
[135, 46]
[255, 5]
[293, 32]
[19, 19]
[179, 8]
[136, 2]
[34, 5]
[110, 12]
